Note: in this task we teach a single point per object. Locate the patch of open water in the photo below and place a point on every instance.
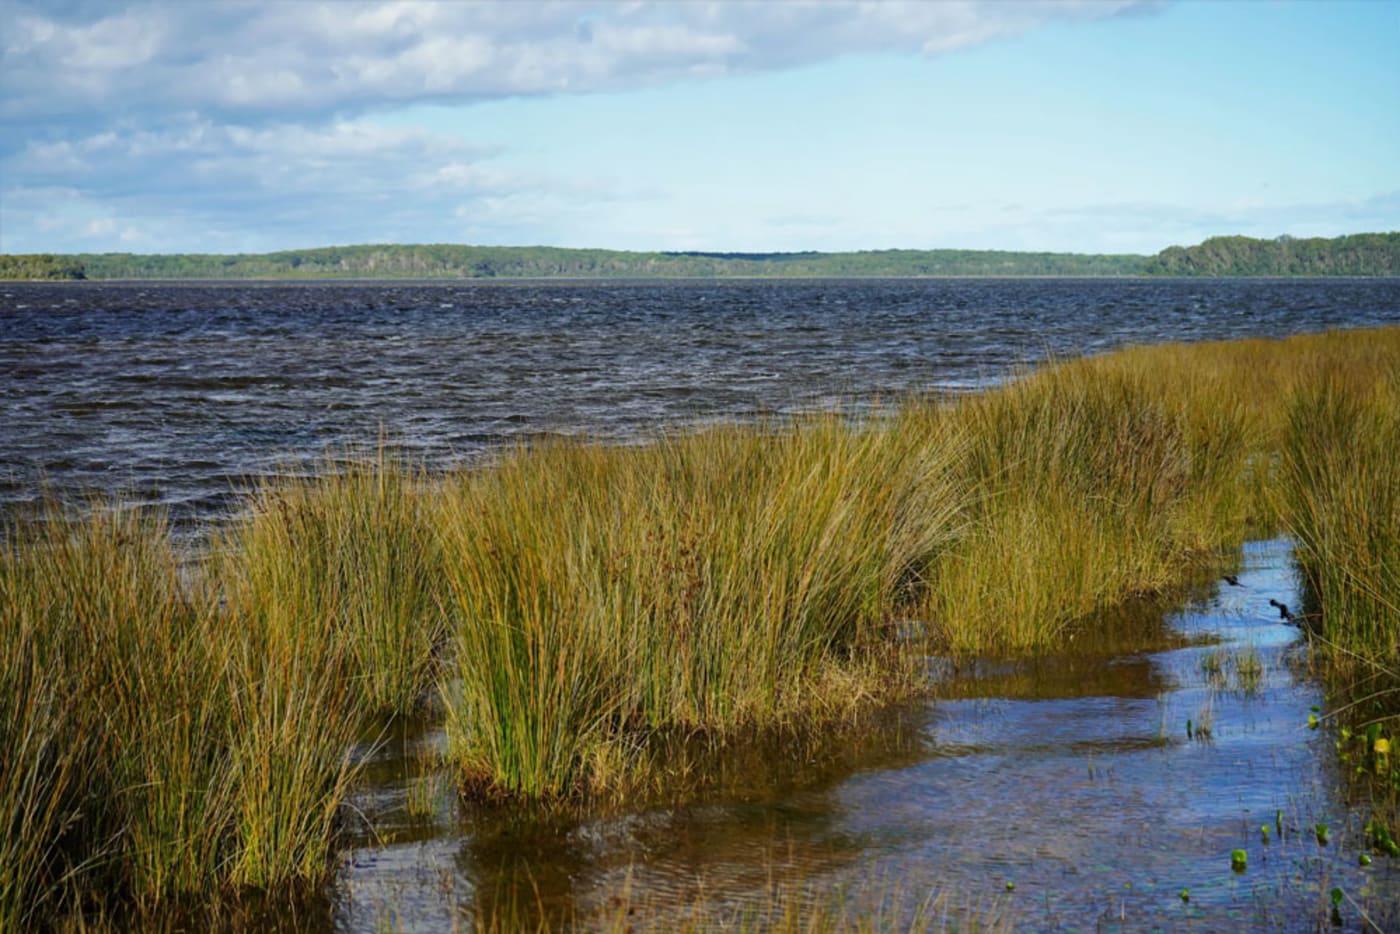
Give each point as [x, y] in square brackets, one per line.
[175, 393]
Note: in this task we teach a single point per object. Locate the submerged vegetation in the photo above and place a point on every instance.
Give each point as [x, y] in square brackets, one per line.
[1368, 254]
[178, 731]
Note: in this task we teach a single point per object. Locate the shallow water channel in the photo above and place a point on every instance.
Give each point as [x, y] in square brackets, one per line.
[1073, 778]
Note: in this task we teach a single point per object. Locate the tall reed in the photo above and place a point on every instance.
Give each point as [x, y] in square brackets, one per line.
[1086, 484]
[350, 550]
[112, 699]
[326, 592]
[49, 735]
[703, 582]
[166, 742]
[1341, 495]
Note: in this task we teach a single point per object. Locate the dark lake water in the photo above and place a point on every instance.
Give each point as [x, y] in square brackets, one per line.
[175, 392]
[1074, 778]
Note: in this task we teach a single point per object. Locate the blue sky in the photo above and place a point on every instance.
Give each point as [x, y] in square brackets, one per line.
[1085, 126]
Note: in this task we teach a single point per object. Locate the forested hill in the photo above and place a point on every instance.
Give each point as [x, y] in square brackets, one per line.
[1369, 254]
[444, 261]
[1356, 255]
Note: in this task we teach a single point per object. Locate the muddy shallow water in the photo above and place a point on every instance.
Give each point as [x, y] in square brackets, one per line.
[1072, 778]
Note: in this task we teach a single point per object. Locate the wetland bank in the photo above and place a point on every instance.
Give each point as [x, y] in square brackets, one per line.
[958, 658]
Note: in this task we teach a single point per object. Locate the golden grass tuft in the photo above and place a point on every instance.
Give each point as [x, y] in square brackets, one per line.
[1341, 495]
[704, 582]
[164, 747]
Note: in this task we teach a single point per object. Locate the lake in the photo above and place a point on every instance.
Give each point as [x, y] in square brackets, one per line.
[1099, 783]
[175, 393]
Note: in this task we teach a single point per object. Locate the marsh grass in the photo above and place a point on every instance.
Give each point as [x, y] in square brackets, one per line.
[427, 785]
[1085, 485]
[352, 550]
[1241, 668]
[1202, 727]
[577, 607]
[706, 582]
[162, 748]
[1249, 670]
[1213, 665]
[113, 702]
[1341, 492]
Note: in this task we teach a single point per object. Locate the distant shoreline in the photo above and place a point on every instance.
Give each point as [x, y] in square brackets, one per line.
[509, 281]
[1365, 255]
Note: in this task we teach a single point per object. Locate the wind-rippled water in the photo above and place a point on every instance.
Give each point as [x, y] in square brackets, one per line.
[1084, 780]
[174, 392]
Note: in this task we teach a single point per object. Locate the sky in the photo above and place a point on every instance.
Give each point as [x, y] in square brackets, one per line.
[1095, 126]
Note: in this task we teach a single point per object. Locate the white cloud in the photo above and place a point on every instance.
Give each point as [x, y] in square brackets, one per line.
[199, 185]
[271, 58]
[220, 123]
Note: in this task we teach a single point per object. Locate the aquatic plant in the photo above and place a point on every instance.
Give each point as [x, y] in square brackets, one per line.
[161, 747]
[1205, 718]
[1341, 494]
[1213, 665]
[1083, 490]
[179, 731]
[1381, 839]
[1249, 671]
[706, 582]
[112, 706]
[1239, 860]
[353, 548]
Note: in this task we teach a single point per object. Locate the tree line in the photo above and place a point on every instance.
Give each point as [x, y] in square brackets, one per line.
[40, 266]
[1376, 254]
[1367, 254]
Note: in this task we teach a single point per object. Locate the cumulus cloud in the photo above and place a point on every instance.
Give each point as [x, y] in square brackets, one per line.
[175, 125]
[293, 58]
[296, 185]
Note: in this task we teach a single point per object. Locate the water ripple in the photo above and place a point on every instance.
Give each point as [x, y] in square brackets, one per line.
[174, 389]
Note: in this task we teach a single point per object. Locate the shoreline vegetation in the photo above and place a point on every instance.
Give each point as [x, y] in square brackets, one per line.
[1366, 254]
[178, 734]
